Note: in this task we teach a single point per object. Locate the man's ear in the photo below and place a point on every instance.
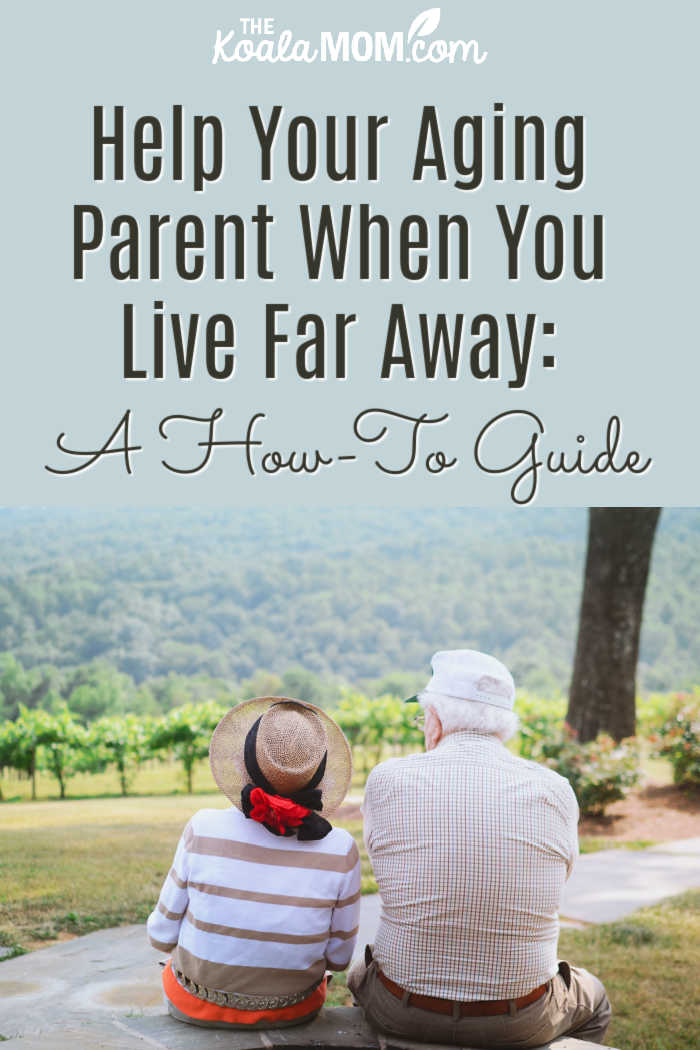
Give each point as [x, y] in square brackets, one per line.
[433, 729]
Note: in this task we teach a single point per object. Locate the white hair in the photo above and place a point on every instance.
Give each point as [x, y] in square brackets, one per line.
[457, 714]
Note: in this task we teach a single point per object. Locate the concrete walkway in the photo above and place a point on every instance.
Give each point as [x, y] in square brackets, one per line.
[109, 981]
[608, 885]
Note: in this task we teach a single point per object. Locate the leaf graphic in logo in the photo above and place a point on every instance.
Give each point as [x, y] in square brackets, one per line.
[425, 23]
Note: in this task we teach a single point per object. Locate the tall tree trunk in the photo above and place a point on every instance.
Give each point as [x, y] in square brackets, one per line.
[602, 695]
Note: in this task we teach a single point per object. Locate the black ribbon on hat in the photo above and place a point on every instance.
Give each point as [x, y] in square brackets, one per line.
[312, 826]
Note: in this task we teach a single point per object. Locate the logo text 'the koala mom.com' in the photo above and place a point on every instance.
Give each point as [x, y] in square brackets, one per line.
[259, 41]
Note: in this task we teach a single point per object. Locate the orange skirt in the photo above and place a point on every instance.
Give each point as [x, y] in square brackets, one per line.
[202, 1010]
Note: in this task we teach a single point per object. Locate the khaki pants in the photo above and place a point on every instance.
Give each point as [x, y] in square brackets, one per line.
[574, 1004]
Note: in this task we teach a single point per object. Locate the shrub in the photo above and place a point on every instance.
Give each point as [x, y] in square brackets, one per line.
[540, 720]
[600, 772]
[372, 726]
[119, 741]
[678, 739]
[655, 710]
[186, 731]
[63, 744]
[39, 739]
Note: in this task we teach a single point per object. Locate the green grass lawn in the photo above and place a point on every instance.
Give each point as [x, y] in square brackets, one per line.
[649, 964]
[591, 844]
[80, 865]
[152, 778]
[86, 864]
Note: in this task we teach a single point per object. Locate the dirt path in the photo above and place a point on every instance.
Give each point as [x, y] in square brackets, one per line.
[653, 813]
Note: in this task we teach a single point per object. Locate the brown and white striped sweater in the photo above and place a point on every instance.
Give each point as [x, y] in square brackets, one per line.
[243, 910]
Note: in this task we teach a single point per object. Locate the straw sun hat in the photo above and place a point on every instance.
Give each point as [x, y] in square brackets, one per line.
[292, 739]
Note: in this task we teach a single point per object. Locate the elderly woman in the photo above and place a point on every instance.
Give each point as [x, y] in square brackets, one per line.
[262, 897]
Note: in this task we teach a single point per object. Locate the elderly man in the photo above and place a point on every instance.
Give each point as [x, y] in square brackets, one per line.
[471, 847]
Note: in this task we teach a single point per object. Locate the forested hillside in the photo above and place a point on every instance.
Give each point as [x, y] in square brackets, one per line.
[352, 594]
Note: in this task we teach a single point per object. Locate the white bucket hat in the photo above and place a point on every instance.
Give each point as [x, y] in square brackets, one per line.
[466, 674]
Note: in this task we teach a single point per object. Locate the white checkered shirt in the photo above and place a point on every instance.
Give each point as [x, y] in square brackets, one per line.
[470, 847]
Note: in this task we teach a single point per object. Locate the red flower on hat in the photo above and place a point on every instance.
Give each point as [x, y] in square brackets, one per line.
[278, 812]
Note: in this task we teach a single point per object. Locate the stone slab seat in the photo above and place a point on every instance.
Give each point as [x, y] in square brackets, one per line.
[336, 1028]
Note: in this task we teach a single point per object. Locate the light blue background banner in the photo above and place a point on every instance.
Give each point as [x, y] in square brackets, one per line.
[565, 358]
